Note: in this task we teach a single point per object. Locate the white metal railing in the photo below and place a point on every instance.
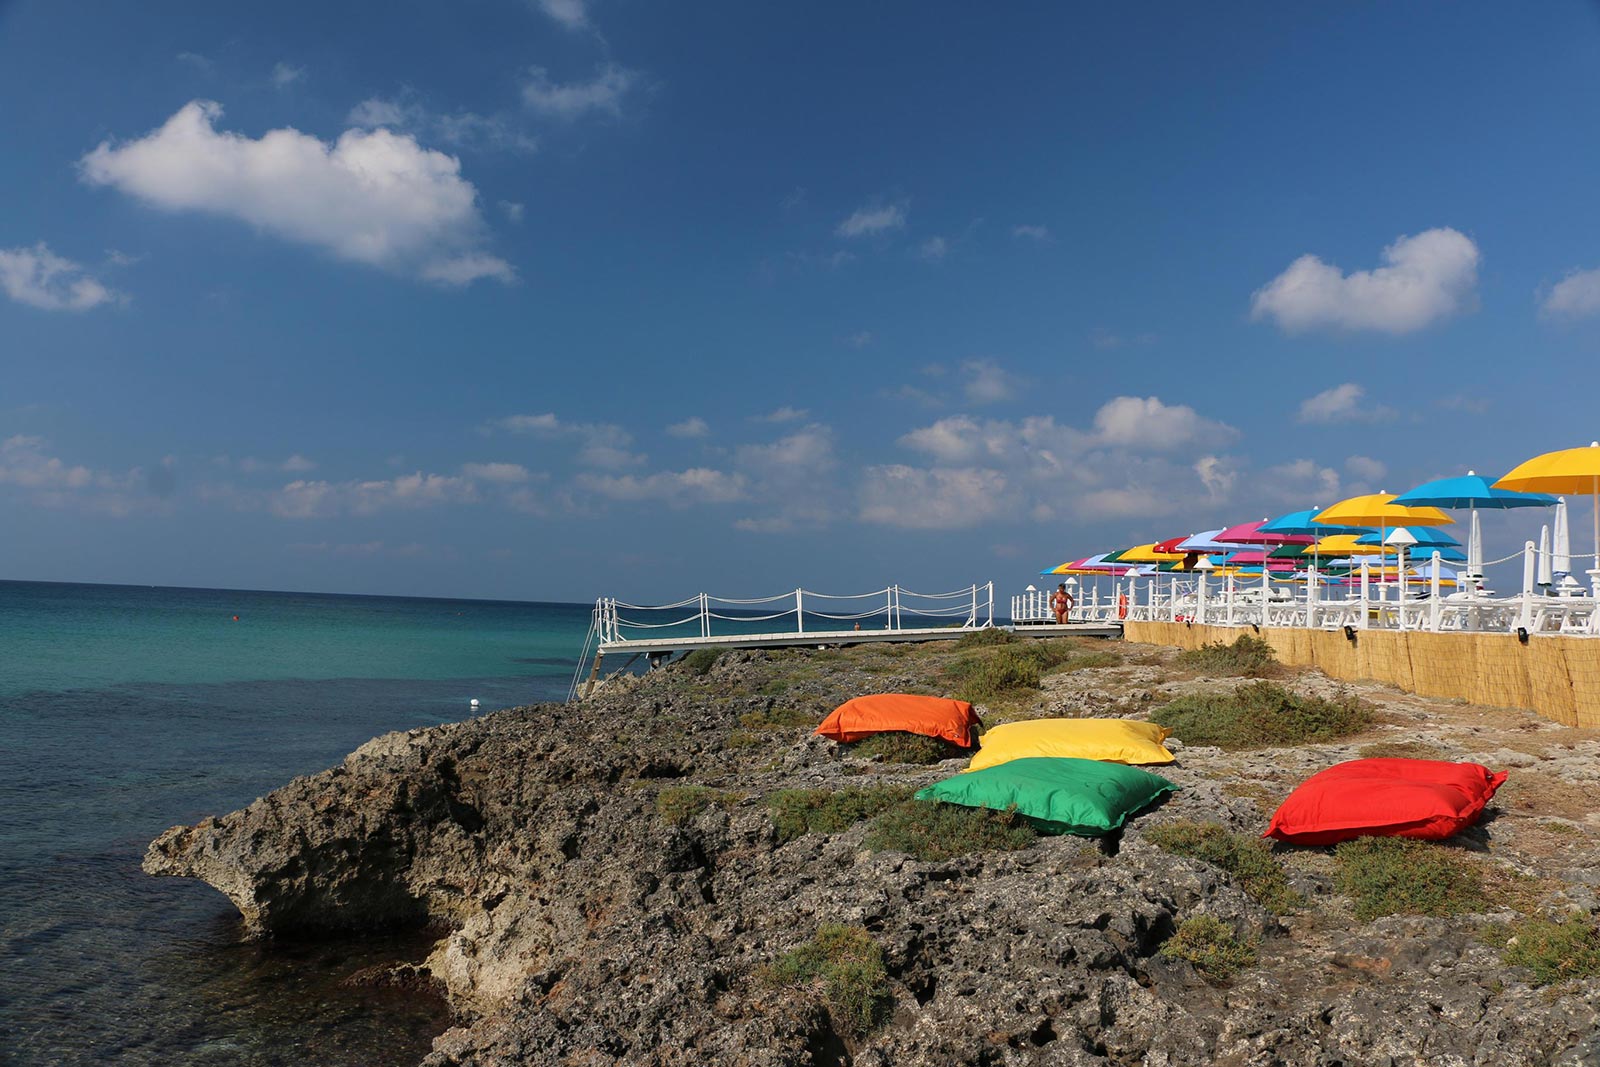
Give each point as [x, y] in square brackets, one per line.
[617, 622]
[1550, 601]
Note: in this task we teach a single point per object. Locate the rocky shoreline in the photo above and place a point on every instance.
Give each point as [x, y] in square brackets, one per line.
[610, 886]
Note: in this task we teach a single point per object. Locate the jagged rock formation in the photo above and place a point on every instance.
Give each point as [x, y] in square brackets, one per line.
[580, 926]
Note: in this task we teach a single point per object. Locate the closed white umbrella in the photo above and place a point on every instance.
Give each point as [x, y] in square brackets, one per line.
[1561, 552]
[1544, 578]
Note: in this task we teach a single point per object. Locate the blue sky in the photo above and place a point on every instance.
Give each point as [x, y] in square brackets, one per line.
[553, 298]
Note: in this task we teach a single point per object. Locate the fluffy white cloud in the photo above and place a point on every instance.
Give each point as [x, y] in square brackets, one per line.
[782, 414]
[53, 482]
[693, 426]
[960, 439]
[936, 499]
[1216, 474]
[39, 278]
[1343, 403]
[603, 93]
[865, 222]
[1426, 277]
[602, 444]
[1576, 296]
[373, 197]
[465, 130]
[303, 499]
[1147, 424]
[496, 472]
[1366, 468]
[573, 14]
[697, 485]
[285, 75]
[987, 382]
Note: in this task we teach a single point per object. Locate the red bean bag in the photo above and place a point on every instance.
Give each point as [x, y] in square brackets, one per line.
[1427, 799]
[858, 719]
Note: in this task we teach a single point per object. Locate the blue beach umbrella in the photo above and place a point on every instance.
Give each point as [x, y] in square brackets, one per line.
[1300, 523]
[1474, 492]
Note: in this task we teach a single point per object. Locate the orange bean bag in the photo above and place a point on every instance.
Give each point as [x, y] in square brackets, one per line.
[858, 719]
[1427, 799]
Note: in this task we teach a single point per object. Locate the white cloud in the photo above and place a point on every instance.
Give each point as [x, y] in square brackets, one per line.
[783, 414]
[512, 210]
[693, 426]
[374, 196]
[1147, 424]
[508, 473]
[960, 439]
[1032, 233]
[697, 485]
[867, 221]
[53, 482]
[303, 499]
[464, 130]
[295, 464]
[602, 444]
[197, 61]
[1427, 277]
[602, 93]
[933, 249]
[1216, 474]
[936, 499]
[1576, 296]
[1343, 403]
[39, 278]
[573, 14]
[1366, 468]
[285, 75]
[987, 382]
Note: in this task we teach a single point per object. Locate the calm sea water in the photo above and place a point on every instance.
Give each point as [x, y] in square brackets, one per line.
[125, 710]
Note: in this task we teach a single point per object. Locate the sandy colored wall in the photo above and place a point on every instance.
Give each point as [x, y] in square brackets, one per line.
[1558, 677]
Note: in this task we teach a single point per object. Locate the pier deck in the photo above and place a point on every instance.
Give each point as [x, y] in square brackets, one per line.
[660, 646]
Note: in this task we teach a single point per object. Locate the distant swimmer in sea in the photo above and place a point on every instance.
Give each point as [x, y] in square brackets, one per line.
[1062, 603]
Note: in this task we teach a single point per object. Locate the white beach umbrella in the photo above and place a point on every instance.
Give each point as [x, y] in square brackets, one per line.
[1561, 564]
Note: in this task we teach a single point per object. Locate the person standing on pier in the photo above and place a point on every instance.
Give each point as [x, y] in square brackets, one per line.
[1062, 603]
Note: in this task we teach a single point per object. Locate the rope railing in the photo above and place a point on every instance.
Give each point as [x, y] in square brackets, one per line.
[974, 605]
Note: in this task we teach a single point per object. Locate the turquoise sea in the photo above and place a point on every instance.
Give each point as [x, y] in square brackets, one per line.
[125, 710]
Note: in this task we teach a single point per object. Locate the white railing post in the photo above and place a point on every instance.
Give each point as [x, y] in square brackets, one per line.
[1228, 600]
[800, 611]
[991, 604]
[1366, 592]
[705, 614]
[1433, 595]
[1200, 599]
[888, 608]
[1527, 585]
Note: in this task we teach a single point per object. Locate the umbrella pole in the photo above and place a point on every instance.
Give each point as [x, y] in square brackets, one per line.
[1594, 575]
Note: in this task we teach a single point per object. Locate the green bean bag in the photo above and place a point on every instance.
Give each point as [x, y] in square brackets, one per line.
[1059, 795]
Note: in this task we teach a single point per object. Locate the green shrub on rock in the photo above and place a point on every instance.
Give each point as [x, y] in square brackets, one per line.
[935, 831]
[828, 811]
[1247, 657]
[1261, 715]
[682, 804]
[701, 660]
[1248, 859]
[844, 965]
[896, 746]
[1211, 947]
[1555, 951]
[1401, 876]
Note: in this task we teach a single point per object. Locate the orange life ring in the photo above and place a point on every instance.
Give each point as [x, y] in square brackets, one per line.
[1122, 605]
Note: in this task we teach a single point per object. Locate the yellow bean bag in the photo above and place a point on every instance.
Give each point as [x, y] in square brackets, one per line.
[1108, 740]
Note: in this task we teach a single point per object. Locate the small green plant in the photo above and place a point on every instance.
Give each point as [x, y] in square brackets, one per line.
[1211, 947]
[1262, 714]
[1248, 859]
[682, 804]
[845, 966]
[701, 660]
[988, 636]
[828, 811]
[935, 831]
[1003, 669]
[1555, 951]
[778, 717]
[896, 746]
[1401, 876]
[1247, 657]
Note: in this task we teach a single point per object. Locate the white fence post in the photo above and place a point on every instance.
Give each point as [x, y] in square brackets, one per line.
[1434, 607]
[1366, 593]
[991, 604]
[1527, 585]
[800, 610]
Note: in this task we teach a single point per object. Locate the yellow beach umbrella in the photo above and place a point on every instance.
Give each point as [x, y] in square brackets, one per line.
[1375, 509]
[1570, 471]
[1147, 554]
[1336, 545]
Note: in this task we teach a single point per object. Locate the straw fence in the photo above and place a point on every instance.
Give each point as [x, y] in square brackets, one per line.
[1557, 677]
